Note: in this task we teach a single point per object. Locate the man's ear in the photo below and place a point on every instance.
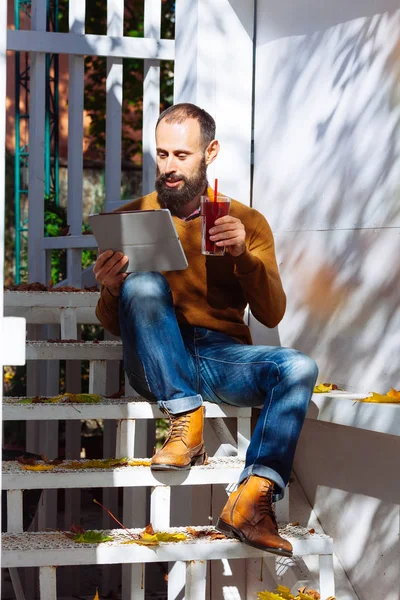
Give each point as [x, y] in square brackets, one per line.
[211, 152]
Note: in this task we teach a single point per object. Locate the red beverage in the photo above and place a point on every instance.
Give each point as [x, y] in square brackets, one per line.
[211, 211]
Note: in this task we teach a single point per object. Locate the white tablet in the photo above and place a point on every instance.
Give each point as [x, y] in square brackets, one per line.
[147, 237]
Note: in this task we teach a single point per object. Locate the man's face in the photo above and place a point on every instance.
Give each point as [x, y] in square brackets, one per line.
[181, 163]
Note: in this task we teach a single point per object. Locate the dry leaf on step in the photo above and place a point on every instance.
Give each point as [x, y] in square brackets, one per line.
[149, 529]
[322, 388]
[217, 536]
[24, 460]
[392, 397]
[38, 467]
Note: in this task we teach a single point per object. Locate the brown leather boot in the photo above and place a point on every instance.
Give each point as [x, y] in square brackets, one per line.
[184, 445]
[249, 516]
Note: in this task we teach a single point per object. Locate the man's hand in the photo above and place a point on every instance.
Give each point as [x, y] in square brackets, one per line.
[107, 270]
[229, 232]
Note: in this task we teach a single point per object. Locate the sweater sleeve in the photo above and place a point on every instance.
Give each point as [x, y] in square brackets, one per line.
[257, 272]
[107, 311]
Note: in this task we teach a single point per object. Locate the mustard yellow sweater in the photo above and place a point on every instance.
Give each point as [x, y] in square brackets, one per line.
[214, 291]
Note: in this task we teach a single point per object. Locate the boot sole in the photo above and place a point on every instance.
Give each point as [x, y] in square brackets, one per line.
[232, 532]
[196, 460]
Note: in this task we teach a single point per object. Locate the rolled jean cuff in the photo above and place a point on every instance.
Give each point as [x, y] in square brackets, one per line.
[268, 473]
[181, 405]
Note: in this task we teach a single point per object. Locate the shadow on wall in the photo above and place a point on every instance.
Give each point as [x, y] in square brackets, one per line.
[327, 158]
[360, 512]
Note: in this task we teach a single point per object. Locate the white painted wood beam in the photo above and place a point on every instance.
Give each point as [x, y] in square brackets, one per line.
[51, 548]
[15, 511]
[151, 96]
[196, 575]
[97, 377]
[16, 583]
[76, 82]
[125, 438]
[243, 435]
[326, 575]
[36, 255]
[176, 579]
[70, 241]
[223, 471]
[125, 408]
[160, 504]
[114, 88]
[47, 583]
[89, 44]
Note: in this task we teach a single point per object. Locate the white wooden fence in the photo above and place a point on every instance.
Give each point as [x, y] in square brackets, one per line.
[210, 38]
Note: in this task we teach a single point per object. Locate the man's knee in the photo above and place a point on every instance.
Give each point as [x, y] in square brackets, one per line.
[143, 287]
[304, 367]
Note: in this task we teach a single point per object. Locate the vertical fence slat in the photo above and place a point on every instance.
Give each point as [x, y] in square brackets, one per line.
[36, 256]
[115, 27]
[76, 76]
[151, 96]
[76, 82]
[47, 583]
[14, 511]
[196, 574]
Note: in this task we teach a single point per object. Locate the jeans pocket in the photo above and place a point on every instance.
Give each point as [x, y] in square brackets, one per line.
[200, 333]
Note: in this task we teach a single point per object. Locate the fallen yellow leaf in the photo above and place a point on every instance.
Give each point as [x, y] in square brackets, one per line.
[284, 592]
[266, 595]
[97, 597]
[37, 467]
[149, 539]
[170, 537]
[392, 397]
[322, 388]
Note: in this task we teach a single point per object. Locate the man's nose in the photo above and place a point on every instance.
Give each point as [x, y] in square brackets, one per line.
[171, 165]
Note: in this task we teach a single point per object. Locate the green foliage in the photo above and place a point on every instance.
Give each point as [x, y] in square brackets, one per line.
[92, 537]
[133, 75]
[55, 224]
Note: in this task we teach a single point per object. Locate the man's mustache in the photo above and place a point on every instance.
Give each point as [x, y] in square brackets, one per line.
[163, 178]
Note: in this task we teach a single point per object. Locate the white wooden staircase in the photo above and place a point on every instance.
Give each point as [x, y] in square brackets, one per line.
[50, 549]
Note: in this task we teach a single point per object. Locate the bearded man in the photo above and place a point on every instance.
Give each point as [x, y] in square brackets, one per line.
[184, 338]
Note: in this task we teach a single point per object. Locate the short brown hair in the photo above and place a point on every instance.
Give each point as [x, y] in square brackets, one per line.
[180, 112]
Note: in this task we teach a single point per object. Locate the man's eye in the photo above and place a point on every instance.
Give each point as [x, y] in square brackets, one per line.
[161, 155]
[182, 156]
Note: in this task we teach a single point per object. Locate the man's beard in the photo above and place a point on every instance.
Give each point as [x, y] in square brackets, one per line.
[176, 198]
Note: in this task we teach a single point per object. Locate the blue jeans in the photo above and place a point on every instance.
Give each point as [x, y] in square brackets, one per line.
[180, 366]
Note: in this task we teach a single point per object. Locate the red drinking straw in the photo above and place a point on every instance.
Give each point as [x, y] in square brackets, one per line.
[215, 190]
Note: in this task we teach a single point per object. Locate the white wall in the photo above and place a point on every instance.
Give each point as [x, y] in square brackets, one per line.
[327, 164]
[218, 77]
[327, 146]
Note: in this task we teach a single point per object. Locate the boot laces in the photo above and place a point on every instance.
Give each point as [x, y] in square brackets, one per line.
[179, 427]
[266, 503]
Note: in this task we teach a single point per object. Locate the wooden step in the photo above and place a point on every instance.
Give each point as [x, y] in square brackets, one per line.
[41, 549]
[44, 350]
[16, 409]
[222, 470]
[50, 299]
[46, 307]
[343, 408]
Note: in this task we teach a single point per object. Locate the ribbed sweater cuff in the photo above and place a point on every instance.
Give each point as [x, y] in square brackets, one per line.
[109, 300]
[245, 263]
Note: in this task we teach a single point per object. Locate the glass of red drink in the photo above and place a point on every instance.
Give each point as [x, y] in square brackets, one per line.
[211, 210]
